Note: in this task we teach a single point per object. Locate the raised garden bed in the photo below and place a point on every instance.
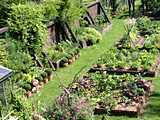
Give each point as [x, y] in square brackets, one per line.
[139, 43]
[123, 71]
[134, 108]
[145, 73]
[112, 95]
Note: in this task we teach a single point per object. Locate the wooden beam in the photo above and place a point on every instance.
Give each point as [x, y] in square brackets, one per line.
[3, 30]
[38, 61]
[49, 61]
[90, 18]
[100, 5]
[70, 31]
[92, 4]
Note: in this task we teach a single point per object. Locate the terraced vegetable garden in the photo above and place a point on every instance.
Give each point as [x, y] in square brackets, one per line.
[115, 85]
[79, 60]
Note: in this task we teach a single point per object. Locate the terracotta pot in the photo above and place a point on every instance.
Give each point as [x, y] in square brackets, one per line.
[38, 87]
[35, 82]
[70, 61]
[101, 65]
[29, 94]
[41, 84]
[34, 90]
[73, 59]
[50, 77]
[65, 64]
[46, 80]
[77, 56]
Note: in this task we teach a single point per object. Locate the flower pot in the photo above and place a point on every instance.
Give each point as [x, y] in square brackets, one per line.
[83, 44]
[73, 59]
[50, 77]
[65, 64]
[41, 84]
[46, 80]
[76, 56]
[35, 82]
[34, 90]
[38, 87]
[29, 94]
[70, 61]
[101, 65]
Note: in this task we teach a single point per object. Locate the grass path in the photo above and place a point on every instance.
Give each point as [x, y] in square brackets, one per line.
[87, 58]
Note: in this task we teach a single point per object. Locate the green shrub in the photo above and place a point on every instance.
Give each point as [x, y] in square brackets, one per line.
[48, 71]
[18, 60]
[50, 9]
[40, 79]
[70, 10]
[90, 34]
[5, 8]
[44, 75]
[27, 86]
[25, 25]
[152, 5]
[3, 52]
[145, 26]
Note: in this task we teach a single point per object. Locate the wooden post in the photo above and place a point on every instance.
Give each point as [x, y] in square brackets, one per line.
[133, 6]
[129, 5]
[104, 13]
[63, 31]
[38, 61]
[49, 61]
[70, 31]
[86, 19]
[57, 32]
[142, 2]
[90, 18]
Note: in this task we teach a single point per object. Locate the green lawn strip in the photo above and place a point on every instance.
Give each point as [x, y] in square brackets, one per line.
[87, 58]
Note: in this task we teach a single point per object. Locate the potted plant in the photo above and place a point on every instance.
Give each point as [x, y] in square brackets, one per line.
[29, 94]
[77, 53]
[64, 62]
[45, 78]
[69, 57]
[41, 80]
[27, 86]
[49, 73]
